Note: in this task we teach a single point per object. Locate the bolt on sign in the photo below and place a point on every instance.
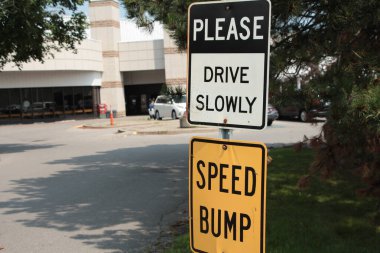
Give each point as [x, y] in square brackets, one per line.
[228, 59]
[227, 192]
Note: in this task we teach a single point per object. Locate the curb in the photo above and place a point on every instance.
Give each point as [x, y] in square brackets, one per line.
[172, 132]
[106, 126]
[147, 129]
[94, 127]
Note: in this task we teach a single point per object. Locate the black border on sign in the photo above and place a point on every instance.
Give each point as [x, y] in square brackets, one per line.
[266, 66]
[263, 185]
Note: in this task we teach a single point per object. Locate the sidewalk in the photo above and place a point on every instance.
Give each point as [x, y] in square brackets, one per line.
[142, 125]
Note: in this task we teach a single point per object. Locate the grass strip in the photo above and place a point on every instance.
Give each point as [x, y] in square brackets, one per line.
[327, 217]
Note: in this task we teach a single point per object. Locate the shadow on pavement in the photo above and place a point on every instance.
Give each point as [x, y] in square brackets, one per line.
[113, 201]
[310, 121]
[29, 121]
[18, 148]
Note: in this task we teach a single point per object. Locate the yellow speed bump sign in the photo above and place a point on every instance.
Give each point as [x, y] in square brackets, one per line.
[227, 192]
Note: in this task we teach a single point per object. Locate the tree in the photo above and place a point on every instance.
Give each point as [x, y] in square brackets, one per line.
[346, 33]
[176, 91]
[171, 13]
[31, 30]
[337, 43]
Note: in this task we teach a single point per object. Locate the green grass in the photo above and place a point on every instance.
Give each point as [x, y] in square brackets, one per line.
[326, 217]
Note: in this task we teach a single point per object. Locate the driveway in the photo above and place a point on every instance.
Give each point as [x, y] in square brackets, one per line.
[68, 189]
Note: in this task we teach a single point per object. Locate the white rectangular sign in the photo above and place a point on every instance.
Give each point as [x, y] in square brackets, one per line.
[231, 88]
[228, 58]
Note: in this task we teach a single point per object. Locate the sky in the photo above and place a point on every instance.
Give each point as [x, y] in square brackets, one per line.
[123, 12]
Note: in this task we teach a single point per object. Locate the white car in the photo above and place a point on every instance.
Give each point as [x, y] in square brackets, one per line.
[166, 106]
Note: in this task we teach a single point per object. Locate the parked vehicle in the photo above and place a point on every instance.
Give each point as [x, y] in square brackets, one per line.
[272, 114]
[166, 106]
[13, 108]
[301, 112]
[300, 105]
[43, 106]
[323, 109]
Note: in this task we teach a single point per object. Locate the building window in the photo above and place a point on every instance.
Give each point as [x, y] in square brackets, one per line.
[14, 106]
[88, 101]
[29, 103]
[78, 100]
[4, 103]
[58, 100]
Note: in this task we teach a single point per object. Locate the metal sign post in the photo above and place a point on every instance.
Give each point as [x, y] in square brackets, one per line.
[225, 134]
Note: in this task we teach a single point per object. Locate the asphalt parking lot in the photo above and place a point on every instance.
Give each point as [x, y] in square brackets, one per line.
[65, 188]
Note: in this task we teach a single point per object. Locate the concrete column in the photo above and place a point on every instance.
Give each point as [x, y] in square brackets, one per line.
[105, 26]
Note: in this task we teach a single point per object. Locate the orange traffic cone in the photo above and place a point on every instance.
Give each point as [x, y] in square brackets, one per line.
[111, 119]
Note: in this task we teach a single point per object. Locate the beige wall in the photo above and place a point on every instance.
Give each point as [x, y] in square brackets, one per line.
[168, 41]
[144, 77]
[111, 36]
[103, 13]
[175, 62]
[88, 57]
[175, 68]
[142, 55]
[112, 97]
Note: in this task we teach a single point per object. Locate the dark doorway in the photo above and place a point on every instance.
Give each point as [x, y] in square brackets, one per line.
[137, 97]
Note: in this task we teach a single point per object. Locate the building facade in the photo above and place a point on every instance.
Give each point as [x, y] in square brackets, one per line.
[118, 65]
